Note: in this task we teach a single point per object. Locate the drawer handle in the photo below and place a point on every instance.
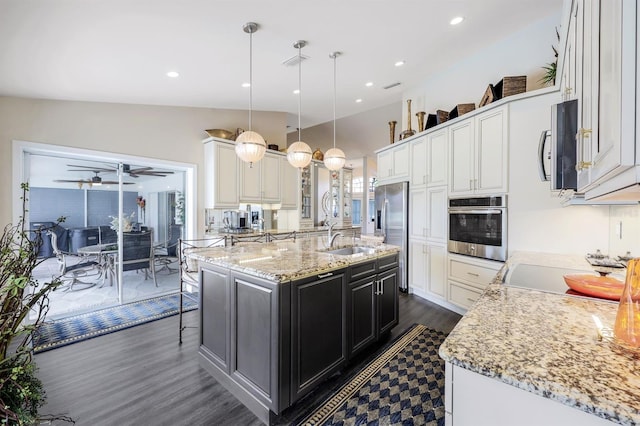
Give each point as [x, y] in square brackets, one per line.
[471, 300]
[328, 274]
[473, 274]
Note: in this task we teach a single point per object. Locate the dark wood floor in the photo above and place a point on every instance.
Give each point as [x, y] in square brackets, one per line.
[141, 376]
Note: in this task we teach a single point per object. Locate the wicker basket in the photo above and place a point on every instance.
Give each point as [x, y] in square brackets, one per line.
[510, 86]
[441, 116]
[461, 109]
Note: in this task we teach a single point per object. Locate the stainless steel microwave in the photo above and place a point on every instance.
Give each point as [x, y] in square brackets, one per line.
[557, 147]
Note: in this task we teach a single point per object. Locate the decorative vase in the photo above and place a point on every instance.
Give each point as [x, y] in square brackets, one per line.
[420, 116]
[392, 131]
[317, 155]
[408, 132]
[627, 326]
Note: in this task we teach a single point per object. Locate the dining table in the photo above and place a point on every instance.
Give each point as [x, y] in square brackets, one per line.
[105, 258]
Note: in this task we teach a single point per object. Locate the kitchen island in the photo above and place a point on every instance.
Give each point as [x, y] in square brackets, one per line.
[529, 357]
[277, 319]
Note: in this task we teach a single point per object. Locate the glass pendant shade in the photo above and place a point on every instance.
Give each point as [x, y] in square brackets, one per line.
[299, 154]
[334, 159]
[250, 147]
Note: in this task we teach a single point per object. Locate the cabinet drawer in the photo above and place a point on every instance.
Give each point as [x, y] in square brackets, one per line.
[361, 270]
[461, 295]
[388, 262]
[477, 275]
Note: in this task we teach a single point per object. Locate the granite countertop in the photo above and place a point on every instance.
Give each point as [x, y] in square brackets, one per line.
[547, 344]
[283, 261]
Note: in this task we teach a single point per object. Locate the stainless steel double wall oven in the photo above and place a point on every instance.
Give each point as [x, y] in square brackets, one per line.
[478, 227]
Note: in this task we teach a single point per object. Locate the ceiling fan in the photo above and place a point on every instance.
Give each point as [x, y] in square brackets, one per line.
[95, 180]
[133, 172]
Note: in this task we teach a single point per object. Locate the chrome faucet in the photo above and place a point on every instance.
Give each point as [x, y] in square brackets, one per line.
[331, 236]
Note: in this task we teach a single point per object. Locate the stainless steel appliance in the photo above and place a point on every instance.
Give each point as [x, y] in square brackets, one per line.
[478, 227]
[392, 222]
[558, 147]
[236, 219]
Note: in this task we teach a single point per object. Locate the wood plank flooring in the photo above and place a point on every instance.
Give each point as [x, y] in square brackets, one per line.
[141, 376]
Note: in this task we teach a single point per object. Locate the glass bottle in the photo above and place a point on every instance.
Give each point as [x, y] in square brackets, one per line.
[627, 326]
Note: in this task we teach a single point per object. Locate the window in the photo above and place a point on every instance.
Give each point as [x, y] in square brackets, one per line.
[357, 211]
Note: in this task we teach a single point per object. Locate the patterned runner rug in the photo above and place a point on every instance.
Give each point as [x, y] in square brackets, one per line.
[56, 333]
[404, 385]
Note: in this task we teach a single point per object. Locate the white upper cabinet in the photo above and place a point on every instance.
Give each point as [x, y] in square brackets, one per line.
[436, 161]
[418, 162]
[478, 154]
[394, 164]
[437, 230]
[261, 182]
[221, 175]
[607, 69]
[289, 185]
[418, 213]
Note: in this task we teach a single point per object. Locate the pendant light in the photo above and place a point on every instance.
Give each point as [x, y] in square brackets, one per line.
[299, 153]
[334, 158]
[250, 146]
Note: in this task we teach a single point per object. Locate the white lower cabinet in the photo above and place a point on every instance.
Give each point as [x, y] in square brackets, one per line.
[472, 399]
[427, 269]
[468, 277]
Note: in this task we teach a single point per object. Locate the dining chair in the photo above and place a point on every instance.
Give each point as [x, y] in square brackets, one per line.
[137, 253]
[290, 236]
[189, 276]
[165, 254]
[73, 267]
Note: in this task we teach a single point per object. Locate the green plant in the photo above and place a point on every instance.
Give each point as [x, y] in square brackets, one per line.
[550, 69]
[21, 392]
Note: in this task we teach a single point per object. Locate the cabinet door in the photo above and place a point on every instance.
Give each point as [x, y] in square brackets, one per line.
[437, 158]
[401, 163]
[250, 190]
[221, 176]
[318, 325]
[418, 213]
[419, 162]
[569, 71]
[215, 333]
[385, 164]
[461, 137]
[289, 185]
[387, 301]
[437, 269]
[491, 151]
[585, 78]
[270, 178]
[362, 317]
[437, 214]
[417, 265]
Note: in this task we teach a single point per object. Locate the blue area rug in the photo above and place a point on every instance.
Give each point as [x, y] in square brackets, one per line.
[65, 331]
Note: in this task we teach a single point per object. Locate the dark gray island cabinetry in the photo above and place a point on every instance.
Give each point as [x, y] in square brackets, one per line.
[270, 342]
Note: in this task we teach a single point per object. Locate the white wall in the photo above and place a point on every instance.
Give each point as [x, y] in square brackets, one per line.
[522, 53]
[537, 221]
[164, 133]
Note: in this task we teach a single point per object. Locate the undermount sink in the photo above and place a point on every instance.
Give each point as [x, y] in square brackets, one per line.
[348, 251]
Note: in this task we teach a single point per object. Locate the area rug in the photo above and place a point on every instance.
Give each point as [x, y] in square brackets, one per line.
[57, 333]
[402, 386]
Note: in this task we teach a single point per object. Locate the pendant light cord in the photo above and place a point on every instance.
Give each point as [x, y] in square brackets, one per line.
[250, 76]
[299, 90]
[335, 55]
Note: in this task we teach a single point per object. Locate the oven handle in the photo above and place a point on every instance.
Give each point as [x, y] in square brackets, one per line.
[477, 211]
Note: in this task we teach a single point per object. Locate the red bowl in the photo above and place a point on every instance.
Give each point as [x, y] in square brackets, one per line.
[594, 285]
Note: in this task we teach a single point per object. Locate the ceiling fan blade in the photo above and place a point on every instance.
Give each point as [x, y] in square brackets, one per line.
[72, 181]
[91, 168]
[139, 169]
[115, 182]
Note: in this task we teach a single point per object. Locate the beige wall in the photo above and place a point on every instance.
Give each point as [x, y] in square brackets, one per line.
[165, 133]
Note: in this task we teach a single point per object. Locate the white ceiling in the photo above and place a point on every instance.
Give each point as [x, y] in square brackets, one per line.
[120, 50]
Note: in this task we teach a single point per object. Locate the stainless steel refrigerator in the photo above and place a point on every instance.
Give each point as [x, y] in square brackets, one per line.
[392, 210]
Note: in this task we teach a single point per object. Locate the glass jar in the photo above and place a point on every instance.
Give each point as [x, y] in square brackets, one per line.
[627, 326]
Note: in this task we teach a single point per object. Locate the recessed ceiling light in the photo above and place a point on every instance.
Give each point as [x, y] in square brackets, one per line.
[295, 92]
[369, 84]
[456, 20]
[358, 101]
[173, 74]
[399, 63]
[246, 84]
